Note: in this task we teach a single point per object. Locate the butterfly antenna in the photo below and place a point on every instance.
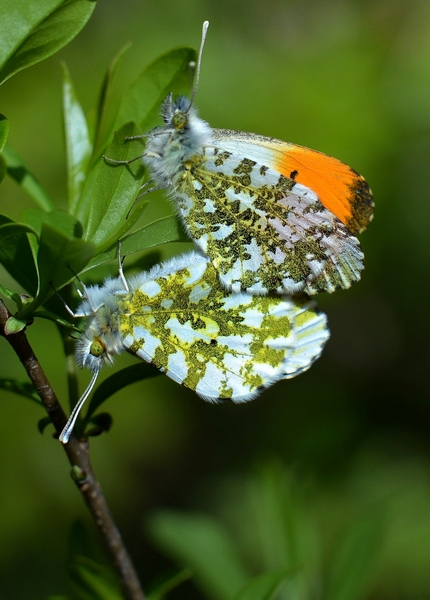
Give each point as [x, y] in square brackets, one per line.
[199, 61]
[67, 431]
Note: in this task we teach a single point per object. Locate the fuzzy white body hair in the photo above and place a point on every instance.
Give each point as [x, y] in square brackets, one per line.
[100, 307]
[176, 263]
[184, 135]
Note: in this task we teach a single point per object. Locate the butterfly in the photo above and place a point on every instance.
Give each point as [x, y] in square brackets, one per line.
[218, 343]
[273, 217]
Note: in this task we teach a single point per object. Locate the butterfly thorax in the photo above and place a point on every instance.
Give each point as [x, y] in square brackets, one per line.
[183, 137]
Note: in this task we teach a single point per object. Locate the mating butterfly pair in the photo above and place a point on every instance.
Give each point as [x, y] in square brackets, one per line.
[270, 219]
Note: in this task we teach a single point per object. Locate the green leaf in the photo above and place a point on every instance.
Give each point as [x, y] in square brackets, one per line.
[127, 224]
[84, 203]
[266, 586]
[14, 325]
[50, 316]
[17, 20]
[59, 257]
[3, 168]
[100, 135]
[16, 254]
[115, 189]
[60, 253]
[82, 543]
[93, 581]
[277, 517]
[11, 295]
[202, 544]
[117, 381]
[285, 535]
[4, 131]
[159, 593]
[60, 219]
[87, 567]
[169, 73]
[78, 145]
[32, 31]
[100, 424]
[23, 388]
[162, 231]
[356, 559]
[23, 177]
[12, 229]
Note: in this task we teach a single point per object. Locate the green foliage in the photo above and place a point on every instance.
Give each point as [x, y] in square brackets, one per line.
[168, 584]
[92, 578]
[45, 251]
[77, 139]
[17, 170]
[32, 31]
[277, 535]
[102, 197]
[354, 561]
[203, 544]
[264, 587]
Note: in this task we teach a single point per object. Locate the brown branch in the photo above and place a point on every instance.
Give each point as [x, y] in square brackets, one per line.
[78, 455]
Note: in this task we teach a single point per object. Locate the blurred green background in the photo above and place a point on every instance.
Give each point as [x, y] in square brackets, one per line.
[347, 77]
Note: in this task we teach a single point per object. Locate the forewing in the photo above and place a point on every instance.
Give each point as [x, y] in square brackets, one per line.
[264, 232]
[340, 189]
[217, 343]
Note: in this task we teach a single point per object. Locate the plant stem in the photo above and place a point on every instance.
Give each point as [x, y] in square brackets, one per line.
[78, 455]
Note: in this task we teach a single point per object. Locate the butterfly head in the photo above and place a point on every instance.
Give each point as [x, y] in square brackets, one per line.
[91, 351]
[101, 306]
[101, 339]
[176, 113]
[183, 136]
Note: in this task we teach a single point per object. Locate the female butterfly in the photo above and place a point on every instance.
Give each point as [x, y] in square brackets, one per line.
[178, 317]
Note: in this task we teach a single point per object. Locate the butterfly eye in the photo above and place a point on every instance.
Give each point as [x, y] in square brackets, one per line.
[97, 348]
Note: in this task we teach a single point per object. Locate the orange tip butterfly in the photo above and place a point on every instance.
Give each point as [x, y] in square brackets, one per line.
[272, 217]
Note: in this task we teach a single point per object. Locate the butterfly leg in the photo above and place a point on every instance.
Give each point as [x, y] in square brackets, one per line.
[83, 295]
[136, 137]
[122, 162]
[64, 303]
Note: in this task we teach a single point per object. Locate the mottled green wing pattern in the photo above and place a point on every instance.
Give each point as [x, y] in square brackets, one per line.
[217, 343]
[263, 232]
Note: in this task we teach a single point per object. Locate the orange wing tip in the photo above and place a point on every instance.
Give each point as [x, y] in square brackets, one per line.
[339, 188]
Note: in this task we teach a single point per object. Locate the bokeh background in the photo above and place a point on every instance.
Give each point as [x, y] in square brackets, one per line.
[350, 78]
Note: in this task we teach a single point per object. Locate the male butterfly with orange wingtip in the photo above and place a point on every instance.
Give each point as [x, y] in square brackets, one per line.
[273, 217]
